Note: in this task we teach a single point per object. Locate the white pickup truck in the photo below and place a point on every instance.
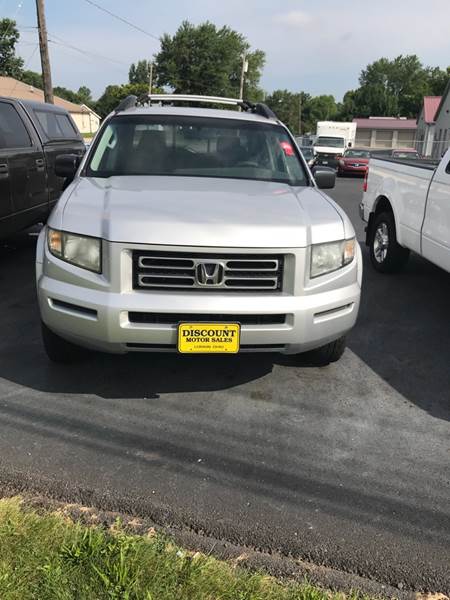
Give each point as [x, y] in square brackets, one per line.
[406, 205]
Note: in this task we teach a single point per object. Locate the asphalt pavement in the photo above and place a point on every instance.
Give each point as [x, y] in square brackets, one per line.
[345, 466]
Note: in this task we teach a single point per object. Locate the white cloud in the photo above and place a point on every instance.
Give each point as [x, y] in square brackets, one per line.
[295, 18]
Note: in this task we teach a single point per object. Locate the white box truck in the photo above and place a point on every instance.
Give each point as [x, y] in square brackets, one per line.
[333, 138]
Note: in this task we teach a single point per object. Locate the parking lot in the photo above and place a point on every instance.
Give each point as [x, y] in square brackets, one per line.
[345, 465]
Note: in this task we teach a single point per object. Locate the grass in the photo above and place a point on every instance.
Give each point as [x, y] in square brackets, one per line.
[49, 557]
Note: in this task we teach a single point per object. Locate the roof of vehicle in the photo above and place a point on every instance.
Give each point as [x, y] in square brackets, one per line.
[31, 106]
[34, 105]
[197, 112]
[43, 106]
[163, 104]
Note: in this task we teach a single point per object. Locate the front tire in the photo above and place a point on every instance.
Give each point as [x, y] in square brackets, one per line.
[330, 353]
[386, 254]
[60, 350]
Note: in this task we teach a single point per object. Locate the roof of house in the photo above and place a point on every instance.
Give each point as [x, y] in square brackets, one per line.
[23, 91]
[385, 123]
[430, 107]
[443, 99]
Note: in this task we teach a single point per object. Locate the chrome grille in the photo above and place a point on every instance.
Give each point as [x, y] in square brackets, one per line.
[187, 271]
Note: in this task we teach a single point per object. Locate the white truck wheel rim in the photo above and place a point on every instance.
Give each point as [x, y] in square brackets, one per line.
[381, 242]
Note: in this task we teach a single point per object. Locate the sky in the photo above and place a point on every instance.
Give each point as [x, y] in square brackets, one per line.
[317, 46]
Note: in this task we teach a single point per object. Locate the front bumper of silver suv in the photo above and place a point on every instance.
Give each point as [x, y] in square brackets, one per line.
[111, 313]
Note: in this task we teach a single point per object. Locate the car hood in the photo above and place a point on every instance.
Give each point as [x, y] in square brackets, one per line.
[187, 211]
[355, 159]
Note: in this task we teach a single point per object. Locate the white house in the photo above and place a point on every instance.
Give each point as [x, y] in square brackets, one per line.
[442, 124]
[426, 125]
[85, 118]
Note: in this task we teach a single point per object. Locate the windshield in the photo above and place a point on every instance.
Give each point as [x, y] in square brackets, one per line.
[195, 147]
[331, 142]
[307, 152]
[357, 154]
[405, 154]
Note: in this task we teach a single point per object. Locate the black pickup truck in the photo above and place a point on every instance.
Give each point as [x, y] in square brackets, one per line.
[32, 135]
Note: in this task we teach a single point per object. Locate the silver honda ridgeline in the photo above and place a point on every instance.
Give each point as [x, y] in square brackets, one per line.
[196, 230]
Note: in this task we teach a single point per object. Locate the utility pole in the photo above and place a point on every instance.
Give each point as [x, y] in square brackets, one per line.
[150, 85]
[300, 114]
[243, 72]
[43, 45]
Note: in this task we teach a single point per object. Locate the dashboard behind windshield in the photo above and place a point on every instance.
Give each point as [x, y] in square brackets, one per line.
[331, 142]
[197, 147]
[357, 154]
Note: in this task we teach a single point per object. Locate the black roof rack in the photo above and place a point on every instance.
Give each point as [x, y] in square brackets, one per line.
[126, 103]
[257, 108]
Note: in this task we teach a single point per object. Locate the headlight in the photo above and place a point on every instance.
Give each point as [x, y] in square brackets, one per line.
[326, 258]
[79, 250]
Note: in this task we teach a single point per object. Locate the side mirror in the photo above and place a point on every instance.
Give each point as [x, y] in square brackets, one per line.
[66, 165]
[325, 178]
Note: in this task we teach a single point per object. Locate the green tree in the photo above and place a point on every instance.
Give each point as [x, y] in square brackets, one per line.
[347, 109]
[65, 93]
[288, 107]
[437, 79]
[32, 78]
[139, 72]
[394, 88]
[10, 64]
[113, 94]
[319, 108]
[292, 107]
[206, 60]
[84, 95]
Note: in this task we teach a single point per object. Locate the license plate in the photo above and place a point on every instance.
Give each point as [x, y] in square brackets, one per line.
[324, 162]
[209, 338]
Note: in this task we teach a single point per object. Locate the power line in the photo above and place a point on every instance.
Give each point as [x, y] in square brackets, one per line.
[60, 42]
[123, 20]
[25, 66]
[72, 51]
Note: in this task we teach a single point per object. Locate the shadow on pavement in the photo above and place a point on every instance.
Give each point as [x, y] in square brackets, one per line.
[403, 332]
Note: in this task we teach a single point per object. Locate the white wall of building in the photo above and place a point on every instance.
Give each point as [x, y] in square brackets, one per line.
[87, 122]
[442, 128]
[425, 137]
